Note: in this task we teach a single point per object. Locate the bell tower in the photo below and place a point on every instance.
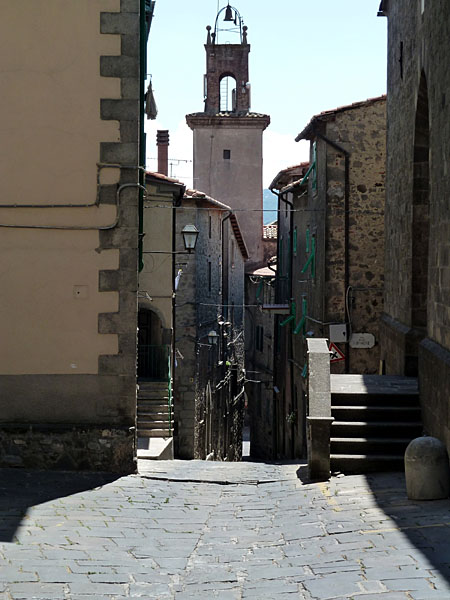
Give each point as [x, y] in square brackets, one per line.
[227, 135]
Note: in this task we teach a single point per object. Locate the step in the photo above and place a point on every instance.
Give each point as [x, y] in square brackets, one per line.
[163, 394]
[153, 419]
[365, 463]
[146, 385]
[368, 445]
[399, 399]
[153, 414]
[379, 413]
[154, 432]
[152, 403]
[157, 428]
[373, 384]
[410, 429]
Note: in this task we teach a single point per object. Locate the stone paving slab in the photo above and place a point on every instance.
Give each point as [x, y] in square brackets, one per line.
[184, 530]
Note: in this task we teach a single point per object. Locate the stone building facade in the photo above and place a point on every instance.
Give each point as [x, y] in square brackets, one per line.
[208, 388]
[69, 232]
[342, 216]
[259, 357]
[330, 260]
[415, 329]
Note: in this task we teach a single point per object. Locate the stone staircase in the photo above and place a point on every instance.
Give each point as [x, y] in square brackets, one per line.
[154, 416]
[375, 418]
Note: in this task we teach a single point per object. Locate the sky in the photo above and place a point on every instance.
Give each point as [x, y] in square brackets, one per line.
[306, 56]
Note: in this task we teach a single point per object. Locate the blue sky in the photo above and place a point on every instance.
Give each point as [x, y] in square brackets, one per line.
[306, 57]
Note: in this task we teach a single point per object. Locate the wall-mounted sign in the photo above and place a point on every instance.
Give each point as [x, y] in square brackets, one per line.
[362, 340]
[336, 353]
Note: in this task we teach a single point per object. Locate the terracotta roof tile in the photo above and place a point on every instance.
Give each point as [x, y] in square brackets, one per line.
[328, 115]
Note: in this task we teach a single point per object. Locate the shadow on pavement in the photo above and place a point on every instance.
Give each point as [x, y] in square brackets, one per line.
[423, 525]
[20, 490]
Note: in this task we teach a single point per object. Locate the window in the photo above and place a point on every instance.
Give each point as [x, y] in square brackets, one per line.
[227, 154]
[209, 276]
[210, 227]
[259, 338]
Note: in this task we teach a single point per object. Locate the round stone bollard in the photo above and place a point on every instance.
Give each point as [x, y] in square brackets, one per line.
[427, 469]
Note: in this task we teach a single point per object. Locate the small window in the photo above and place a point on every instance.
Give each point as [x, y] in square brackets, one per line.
[209, 276]
[259, 335]
[210, 226]
[227, 154]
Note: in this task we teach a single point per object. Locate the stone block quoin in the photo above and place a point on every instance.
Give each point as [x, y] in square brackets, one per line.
[125, 110]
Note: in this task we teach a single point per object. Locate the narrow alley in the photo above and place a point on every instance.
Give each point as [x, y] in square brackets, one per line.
[195, 530]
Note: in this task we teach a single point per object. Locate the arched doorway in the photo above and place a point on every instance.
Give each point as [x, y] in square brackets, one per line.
[153, 354]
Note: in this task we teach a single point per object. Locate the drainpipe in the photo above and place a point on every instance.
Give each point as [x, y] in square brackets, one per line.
[142, 145]
[224, 278]
[346, 231]
[176, 202]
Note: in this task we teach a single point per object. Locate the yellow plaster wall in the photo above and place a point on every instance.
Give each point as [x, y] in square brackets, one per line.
[156, 276]
[50, 131]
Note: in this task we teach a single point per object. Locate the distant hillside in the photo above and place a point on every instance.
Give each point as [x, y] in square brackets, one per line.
[270, 205]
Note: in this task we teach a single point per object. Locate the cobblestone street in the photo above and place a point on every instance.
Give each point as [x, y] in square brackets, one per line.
[202, 530]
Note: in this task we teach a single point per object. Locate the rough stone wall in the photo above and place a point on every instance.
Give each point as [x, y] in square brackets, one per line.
[361, 131]
[287, 435]
[318, 218]
[259, 368]
[423, 39]
[185, 339]
[67, 448]
[223, 60]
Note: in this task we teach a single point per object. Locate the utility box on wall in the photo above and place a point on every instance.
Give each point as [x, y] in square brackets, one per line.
[338, 333]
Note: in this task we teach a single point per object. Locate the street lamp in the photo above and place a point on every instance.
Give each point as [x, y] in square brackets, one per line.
[213, 337]
[190, 235]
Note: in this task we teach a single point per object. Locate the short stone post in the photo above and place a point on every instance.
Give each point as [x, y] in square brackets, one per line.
[427, 470]
[319, 419]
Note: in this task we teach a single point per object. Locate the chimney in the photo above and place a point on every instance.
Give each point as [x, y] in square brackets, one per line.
[162, 141]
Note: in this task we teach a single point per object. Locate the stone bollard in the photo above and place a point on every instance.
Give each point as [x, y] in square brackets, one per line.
[427, 470]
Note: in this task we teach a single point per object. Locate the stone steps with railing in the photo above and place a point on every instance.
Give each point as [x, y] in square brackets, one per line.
[357, 423]
[154, 411]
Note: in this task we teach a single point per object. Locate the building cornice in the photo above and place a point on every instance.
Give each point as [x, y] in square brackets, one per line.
[255, 120]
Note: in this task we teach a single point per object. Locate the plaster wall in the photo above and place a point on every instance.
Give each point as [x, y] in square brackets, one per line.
[236, 181]
[155, 279]
[69, 74]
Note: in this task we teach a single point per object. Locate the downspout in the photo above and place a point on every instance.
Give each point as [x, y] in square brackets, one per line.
[175, 202]
[346, 232]
[224, 278]
[142, 145]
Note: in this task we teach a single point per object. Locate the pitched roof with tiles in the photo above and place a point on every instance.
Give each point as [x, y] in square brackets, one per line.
[330, 115]
[288, 175]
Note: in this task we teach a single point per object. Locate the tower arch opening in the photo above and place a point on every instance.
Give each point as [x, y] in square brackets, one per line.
[227, 93]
